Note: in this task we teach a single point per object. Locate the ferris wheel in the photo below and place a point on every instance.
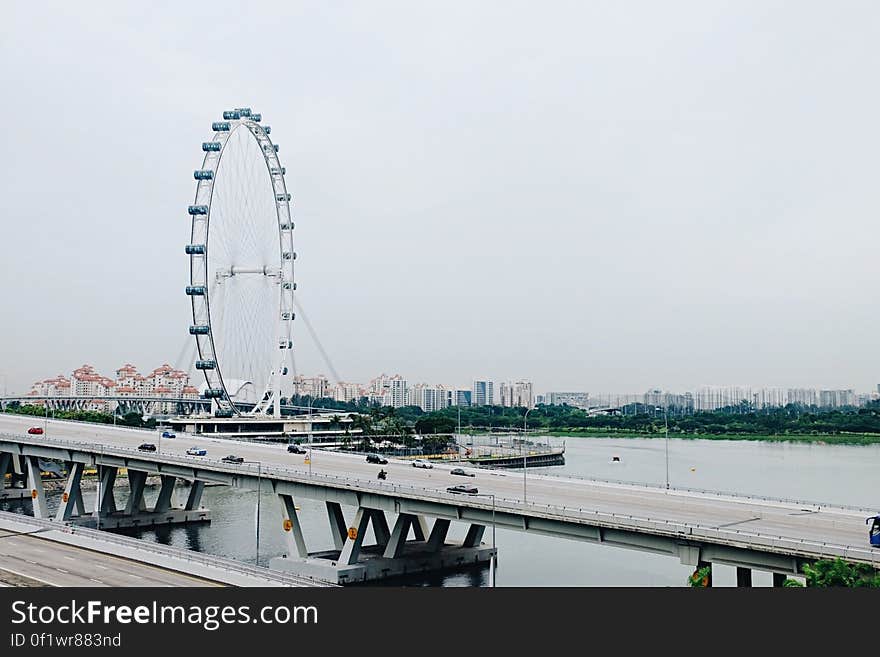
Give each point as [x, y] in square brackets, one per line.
[241, 267]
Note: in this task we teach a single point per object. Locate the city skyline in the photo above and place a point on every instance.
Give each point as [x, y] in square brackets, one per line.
[397, 390]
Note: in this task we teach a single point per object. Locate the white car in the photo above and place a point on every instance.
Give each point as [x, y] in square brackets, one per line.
[418, 463]
[197, 451]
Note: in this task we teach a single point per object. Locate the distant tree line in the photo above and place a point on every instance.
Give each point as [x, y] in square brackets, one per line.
[792, 419]
[772, 422]
[131, 419]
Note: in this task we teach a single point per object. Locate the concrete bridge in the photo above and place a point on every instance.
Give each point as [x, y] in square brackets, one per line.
[145, 405]
[698, 528]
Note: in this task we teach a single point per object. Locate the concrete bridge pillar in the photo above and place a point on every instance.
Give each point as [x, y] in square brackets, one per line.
[19, 471]
[380, 527]
[165, 500]
[293, 535]
[136, 481]
[438, 534]
[5, 462]
[71, 498]
[395, 543]
[420, 528]
[105, 502]
[194, 499]
[337, 524]
[352, 548]
[38, 493]
[474, 536]
[743, 577]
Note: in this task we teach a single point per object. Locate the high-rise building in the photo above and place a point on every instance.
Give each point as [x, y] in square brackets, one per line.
[461, 397]
[315, 387]
[577, 399]
[836, 398]
[348, 392]
[428, 398]
[397, 388]
[482, 394]
[517, 394]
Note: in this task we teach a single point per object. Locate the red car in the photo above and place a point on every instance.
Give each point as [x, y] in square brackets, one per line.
[35, 430]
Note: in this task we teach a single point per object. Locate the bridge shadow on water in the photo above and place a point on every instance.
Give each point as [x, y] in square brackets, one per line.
[470, 576]
[180, 536]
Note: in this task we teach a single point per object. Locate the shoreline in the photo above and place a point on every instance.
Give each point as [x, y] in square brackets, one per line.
[813, 439]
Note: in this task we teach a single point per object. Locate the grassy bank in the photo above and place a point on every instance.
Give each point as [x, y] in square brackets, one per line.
[818, 439]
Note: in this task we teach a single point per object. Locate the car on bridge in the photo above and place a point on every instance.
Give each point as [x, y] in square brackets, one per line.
[419, 463]
[375, 458]
[169, 434]
[463, 488]
[147, 447]
[232, 458]
[196, 451]
[35, 430]
[295, 449]
[462, 472]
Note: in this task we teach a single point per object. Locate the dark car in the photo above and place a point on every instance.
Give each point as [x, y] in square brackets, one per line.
[462, 488]
[169, 434]
[147, 447]
[461, 472]
[35, 430]
[375, 458]
[295, 449]
[232, 458]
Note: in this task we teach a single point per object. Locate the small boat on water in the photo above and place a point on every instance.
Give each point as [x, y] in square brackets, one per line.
[615, 459]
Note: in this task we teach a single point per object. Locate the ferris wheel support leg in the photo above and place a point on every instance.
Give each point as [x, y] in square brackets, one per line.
[276, 394]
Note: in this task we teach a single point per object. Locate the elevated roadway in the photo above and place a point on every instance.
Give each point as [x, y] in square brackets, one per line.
[697, 527]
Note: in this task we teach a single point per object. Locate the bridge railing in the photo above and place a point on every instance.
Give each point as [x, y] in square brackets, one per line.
[610, 520]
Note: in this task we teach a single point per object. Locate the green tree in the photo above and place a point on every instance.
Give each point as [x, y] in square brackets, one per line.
[837, 572]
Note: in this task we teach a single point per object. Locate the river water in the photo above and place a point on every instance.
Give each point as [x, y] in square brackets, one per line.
[811, 472]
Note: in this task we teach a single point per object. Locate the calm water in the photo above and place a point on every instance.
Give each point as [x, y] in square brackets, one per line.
[835, 474]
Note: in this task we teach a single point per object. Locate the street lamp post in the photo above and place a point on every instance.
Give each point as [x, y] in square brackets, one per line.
[310, 436]
[666, 432]
[259, 497]
[525, 464]
[99, 504]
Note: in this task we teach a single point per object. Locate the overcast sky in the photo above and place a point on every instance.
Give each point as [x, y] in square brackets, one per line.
[600, 196]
